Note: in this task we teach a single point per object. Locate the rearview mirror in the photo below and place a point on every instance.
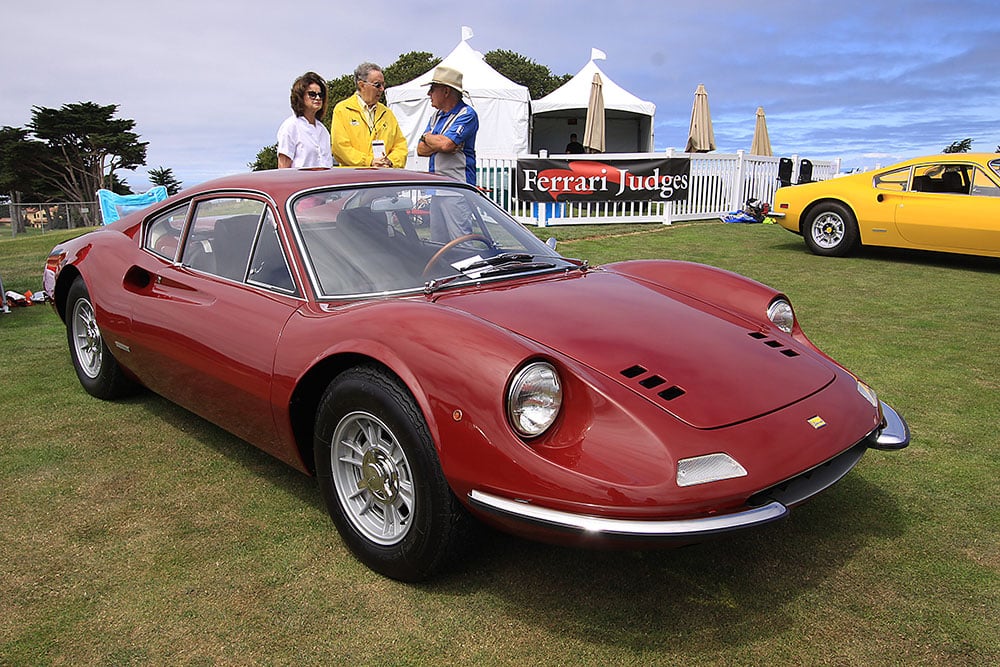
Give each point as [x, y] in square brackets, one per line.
[382, 204]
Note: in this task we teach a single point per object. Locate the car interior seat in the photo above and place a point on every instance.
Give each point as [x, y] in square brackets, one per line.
[233, 238]
[805, 171]
[951, 181]
[784, 172]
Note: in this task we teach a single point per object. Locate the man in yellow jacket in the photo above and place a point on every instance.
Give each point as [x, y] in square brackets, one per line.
[364, 132]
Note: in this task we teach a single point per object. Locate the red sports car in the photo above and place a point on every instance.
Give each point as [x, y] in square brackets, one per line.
[429, 360]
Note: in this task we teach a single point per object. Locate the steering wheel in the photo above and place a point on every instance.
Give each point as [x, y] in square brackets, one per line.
[451, 244]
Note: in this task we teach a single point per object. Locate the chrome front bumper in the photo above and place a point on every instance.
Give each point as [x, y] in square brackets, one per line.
[677, 529]
[892, 434]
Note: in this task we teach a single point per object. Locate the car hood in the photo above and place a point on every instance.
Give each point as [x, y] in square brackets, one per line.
[707, 367]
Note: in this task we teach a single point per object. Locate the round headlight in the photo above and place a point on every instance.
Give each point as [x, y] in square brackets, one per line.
[534, 399]
[781, 315]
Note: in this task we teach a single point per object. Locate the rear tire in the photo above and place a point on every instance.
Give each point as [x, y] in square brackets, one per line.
[831, 230]
[97, 369]
[381, 478]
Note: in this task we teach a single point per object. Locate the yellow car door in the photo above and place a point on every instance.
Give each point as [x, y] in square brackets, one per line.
[942, 213]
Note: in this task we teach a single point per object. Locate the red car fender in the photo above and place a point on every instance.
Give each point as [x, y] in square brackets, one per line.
[455, 365]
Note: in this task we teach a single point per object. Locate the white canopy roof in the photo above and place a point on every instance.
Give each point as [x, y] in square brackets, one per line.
[502, 105]
[628, 119]
[575, 93]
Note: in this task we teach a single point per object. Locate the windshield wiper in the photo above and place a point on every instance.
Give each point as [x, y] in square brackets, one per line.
[515, 267]
[507, 262]
[496, 260]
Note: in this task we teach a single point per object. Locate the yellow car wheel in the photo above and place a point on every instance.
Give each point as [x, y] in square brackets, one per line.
[831, 230]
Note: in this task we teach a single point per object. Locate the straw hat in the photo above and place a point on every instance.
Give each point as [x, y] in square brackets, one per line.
[448, 76]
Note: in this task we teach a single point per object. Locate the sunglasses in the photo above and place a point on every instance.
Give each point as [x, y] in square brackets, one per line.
[314, 95]
[378, 84]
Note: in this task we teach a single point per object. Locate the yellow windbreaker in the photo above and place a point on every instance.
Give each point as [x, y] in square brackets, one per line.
[351, 138]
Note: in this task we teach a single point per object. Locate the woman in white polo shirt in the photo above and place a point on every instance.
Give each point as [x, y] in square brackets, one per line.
[303, 140]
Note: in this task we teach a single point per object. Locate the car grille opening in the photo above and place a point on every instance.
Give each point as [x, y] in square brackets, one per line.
[793, 491]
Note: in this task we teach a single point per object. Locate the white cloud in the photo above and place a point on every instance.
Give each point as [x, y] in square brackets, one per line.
[207, 82]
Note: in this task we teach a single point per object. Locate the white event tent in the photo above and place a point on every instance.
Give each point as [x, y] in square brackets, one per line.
[628, 121]
[502, 105]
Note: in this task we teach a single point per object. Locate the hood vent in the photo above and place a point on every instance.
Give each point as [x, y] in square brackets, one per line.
[777, 345]
[652, 381]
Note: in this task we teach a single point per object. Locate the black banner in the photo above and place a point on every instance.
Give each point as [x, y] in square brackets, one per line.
[657, 179]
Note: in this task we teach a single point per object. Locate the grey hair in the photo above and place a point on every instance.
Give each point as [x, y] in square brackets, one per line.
[362, 71]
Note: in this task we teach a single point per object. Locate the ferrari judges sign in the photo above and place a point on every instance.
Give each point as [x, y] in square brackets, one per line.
[658, 179]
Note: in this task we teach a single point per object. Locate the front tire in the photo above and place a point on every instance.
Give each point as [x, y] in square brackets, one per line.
[831, 230]
[97, 369]
[381, 478]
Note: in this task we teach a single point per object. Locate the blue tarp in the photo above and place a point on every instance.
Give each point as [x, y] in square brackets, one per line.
[114, 206]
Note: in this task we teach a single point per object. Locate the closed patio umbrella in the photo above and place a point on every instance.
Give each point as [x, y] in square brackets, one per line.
[701, 138]
[593, 135]
[761, 144]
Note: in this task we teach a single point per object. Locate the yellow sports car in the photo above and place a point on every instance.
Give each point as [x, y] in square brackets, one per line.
[949, 203]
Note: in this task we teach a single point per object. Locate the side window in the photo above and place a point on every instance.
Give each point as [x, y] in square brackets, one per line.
[941, 179]
[163, 233]
[895, 180]
[221, 235]
[496, 231]
[983, 186]
[268, 266]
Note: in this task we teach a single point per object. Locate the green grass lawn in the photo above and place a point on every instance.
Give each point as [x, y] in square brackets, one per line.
[137, 533]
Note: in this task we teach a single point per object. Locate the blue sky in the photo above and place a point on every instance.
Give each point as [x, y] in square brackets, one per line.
[871, 82]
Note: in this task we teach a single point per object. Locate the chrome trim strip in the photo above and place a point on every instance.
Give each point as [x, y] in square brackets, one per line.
[636, 528]
[895, 434]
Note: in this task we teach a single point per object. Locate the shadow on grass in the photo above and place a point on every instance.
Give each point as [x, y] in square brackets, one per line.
[943, 260]
[281, 476]
[730, 591]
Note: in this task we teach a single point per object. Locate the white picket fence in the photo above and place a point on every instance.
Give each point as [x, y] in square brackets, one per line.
[720, 183]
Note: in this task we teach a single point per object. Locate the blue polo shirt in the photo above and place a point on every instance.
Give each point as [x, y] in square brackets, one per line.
[461, 125]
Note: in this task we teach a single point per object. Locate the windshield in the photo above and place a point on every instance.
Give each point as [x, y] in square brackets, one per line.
[398, 238]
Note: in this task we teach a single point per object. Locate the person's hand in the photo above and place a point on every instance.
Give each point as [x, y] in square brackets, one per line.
[382, 162]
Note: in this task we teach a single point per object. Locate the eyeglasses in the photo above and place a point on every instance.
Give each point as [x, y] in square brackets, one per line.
[378, 84]
[314, 95]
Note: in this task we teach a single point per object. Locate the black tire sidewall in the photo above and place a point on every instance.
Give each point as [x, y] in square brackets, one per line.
[851, 236]
[110, 382]
[423, 549]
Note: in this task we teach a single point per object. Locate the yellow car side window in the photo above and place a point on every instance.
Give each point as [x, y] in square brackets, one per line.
[983, 186]
[894, 180]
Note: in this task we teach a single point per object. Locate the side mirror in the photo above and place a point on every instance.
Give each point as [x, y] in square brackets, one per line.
[551, 242]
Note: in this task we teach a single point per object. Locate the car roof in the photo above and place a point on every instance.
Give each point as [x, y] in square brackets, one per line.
[982, 158]
[281, 183]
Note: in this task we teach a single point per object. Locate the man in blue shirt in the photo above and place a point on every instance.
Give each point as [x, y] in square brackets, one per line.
[450, 137]
[450, 143]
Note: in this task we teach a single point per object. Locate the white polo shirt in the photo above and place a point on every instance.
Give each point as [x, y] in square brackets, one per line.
[306, 143]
